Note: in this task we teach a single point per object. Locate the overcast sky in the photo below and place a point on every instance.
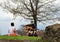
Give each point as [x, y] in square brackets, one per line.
[6, 19]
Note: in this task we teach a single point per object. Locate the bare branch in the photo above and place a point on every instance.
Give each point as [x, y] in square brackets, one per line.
[48, 19]
[26, 6]
[45, 4]
[31, 5]
[37, 1]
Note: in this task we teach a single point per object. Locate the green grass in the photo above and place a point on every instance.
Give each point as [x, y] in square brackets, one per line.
[20, 38]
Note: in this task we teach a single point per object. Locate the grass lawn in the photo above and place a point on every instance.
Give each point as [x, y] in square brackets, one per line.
[20, 38]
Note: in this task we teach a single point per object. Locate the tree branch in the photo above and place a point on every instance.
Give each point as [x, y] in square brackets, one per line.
[26, 6]
[48, 19]
[31, 5]
[46, 3]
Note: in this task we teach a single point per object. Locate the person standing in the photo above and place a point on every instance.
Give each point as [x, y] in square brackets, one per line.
[12, 30]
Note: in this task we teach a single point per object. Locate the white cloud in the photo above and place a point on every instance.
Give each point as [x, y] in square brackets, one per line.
[4, 15]
[3, 0]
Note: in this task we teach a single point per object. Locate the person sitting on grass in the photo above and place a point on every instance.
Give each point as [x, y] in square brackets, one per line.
[12, 30]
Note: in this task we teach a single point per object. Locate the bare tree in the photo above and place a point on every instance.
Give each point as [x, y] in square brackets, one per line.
[36, 10]
[20, 30]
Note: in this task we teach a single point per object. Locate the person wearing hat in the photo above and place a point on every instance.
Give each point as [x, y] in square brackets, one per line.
[12, 30]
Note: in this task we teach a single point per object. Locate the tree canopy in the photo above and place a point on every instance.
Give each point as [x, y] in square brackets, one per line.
[36, 10]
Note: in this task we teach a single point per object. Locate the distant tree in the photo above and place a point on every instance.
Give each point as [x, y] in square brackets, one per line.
[20, 30]
[36, 10]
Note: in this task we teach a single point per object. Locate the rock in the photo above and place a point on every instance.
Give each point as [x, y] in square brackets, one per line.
[52, 33]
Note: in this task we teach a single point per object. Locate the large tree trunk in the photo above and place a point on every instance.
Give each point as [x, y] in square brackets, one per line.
[35, 21]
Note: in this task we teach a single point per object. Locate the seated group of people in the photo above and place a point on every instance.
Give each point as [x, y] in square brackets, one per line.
[30, 32]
